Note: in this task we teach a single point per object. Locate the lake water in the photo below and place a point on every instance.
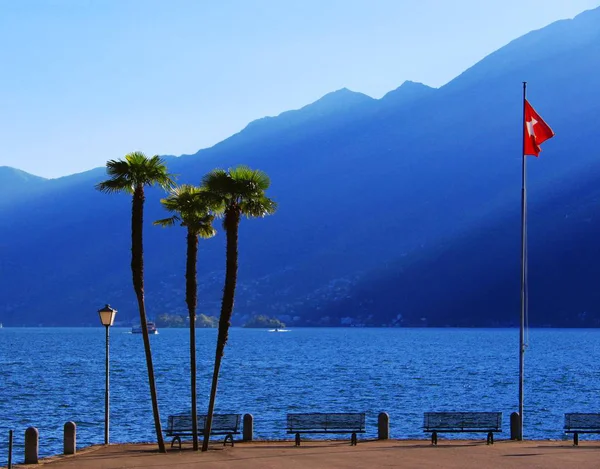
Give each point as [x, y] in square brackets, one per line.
[49, 376]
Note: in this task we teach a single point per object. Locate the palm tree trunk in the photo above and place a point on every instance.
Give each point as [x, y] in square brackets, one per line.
[211, 404]
[137, 270]
[191, 300]
[231, 222]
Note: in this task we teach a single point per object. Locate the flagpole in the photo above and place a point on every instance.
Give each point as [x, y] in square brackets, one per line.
[523, 269]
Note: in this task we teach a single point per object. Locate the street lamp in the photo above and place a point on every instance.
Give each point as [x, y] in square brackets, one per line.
[107, 318]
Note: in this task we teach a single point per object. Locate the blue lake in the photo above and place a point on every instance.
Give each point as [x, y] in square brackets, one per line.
[49, 376]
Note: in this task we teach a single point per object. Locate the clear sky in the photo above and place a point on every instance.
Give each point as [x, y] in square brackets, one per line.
[84, 81]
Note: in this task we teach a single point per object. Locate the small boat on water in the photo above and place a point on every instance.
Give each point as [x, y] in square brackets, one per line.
[150, 325]
[277, 329]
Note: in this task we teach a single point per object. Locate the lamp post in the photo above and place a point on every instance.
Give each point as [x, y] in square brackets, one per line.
[107, 318]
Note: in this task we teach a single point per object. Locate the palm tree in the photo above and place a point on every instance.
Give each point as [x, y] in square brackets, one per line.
[131, 175]
[241, 191]
[194, 212]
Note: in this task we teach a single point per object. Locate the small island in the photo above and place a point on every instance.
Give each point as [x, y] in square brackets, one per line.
[262, 321]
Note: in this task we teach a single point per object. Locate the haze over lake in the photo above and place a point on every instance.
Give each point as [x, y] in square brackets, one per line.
[53, 375]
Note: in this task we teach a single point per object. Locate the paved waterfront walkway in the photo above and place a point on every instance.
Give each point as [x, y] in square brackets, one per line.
[338, 454]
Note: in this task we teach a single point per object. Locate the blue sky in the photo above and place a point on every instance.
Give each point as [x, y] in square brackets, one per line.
[84, 81]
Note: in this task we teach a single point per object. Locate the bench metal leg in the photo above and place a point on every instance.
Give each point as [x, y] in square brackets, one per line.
[353, 440]
[434, 438]
[229, 437]
[575, 439]
[177, 438]
[297, 439]
[490, 438]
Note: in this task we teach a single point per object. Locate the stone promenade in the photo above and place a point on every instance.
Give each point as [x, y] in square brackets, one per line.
[339, 454]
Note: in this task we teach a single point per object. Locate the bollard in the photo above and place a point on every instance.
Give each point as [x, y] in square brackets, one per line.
[248, 430]
[10, 446]
[32, 437]
[516, 432]
[383, 426]
[70, 438]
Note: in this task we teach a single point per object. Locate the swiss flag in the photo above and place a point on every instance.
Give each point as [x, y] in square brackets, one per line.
[536, 131]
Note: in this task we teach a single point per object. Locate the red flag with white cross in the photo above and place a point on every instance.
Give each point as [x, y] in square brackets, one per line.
[536, 131]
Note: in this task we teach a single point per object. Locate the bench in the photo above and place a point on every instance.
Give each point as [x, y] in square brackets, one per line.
[326, 423]
[223, 424]
[577, 423]
[462, 422]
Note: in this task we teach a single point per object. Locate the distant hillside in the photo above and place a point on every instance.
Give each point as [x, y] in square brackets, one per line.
[19, 187]
[398, 211]
[13, 181]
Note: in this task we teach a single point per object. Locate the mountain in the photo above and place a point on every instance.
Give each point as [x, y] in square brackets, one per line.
[333, 110]
[17, 186]
[15, 181]
[407, 93]
[474, 279]
[398, 211]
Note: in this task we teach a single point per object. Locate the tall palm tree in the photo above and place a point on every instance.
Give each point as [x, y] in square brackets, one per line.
[241, 191]
[131, 175]
[196, 214]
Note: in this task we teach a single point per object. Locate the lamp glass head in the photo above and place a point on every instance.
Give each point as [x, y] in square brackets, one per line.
[107, 315]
